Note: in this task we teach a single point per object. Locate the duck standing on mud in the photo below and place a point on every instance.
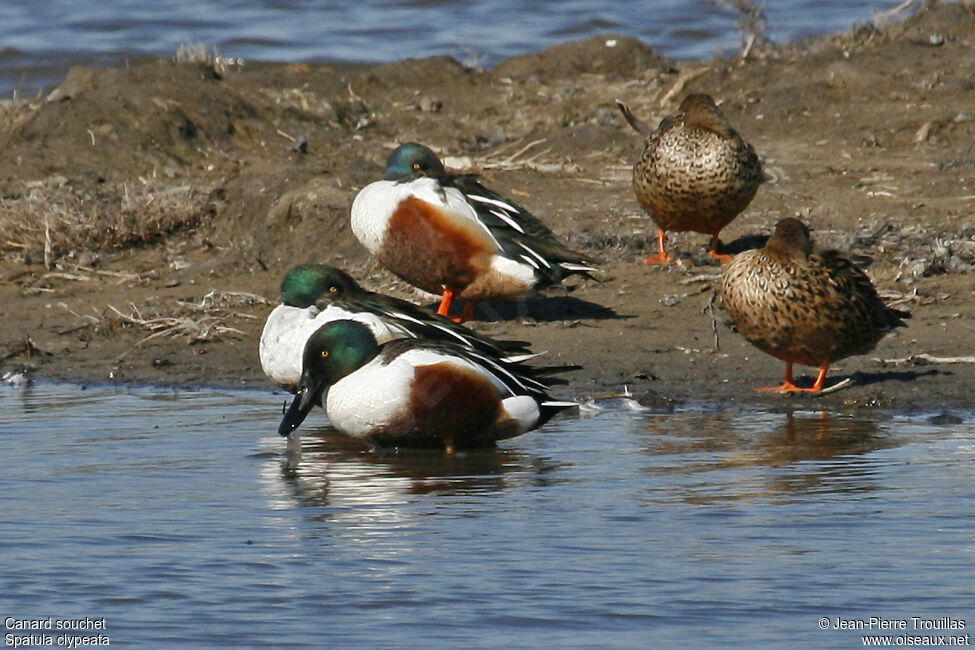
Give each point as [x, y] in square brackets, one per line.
[696, 173]
[449, 235]
[416, 392]
[806, 307]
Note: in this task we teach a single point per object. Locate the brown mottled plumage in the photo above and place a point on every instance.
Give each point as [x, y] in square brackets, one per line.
[696, 173]
[805, 307]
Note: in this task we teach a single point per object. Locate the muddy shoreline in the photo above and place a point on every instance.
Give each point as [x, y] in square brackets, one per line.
[148, 213]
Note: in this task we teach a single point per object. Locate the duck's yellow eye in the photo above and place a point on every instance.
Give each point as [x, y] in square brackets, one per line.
[324, 353]
[333, 289]
[416, 165]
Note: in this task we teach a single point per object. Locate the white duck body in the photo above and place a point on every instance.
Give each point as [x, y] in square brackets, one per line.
[287, 330]
[431, 237]
[401, 400]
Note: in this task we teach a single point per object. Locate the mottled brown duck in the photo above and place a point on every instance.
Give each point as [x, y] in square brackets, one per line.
[695, 174]
[806, 307]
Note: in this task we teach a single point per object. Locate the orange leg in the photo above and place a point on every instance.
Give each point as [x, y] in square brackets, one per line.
[789, 385]
[448, 297]
[468, 312]
[713, 251]
[820, 378]
[444, 308]
[662, 257]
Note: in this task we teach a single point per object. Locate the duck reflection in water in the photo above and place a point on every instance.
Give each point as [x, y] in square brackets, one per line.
[810, 451]
[335, 468]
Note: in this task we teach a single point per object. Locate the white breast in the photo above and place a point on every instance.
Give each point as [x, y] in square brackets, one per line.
[376, 203]
[371, 211]
[369, 398]
[287, 330]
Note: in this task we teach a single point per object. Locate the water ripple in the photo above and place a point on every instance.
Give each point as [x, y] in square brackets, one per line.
[180, 517]
[42, 40]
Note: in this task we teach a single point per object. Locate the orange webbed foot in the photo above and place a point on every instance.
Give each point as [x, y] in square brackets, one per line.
[662, 258]
[724, 258]
[787, 387]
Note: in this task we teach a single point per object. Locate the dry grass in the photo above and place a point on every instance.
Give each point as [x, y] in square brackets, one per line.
[523, 158]
[58, 218]
[752, 22]
[195, 53]
[206, 320]
[204, 327]
[14, 113]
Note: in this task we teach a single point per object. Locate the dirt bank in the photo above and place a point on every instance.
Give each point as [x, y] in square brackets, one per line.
[148, 213]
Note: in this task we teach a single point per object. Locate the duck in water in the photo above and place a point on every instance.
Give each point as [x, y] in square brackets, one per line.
[416, 392]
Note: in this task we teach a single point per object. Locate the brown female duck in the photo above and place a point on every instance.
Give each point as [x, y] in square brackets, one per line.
[696, 173]
[804, 307]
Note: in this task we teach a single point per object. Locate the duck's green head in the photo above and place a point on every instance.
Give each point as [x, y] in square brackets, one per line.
[305, 284]
[791, 236]
[412, 160]
[336, 349]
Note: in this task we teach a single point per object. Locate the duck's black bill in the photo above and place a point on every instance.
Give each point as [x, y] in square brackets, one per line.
[300, 407]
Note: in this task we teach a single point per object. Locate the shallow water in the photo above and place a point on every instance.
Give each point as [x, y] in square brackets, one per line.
[40, 41]
[177, 518]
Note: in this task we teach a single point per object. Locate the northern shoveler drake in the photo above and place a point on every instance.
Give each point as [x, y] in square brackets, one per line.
[449, 235]
[696, 173]
[415, 392]
[314, 294]
[806, 307]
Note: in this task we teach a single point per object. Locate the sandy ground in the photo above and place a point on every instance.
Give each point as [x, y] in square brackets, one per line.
[148, 213]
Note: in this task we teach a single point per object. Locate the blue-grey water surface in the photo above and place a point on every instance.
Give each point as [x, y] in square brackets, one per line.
[40, 41]
[176, 517]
